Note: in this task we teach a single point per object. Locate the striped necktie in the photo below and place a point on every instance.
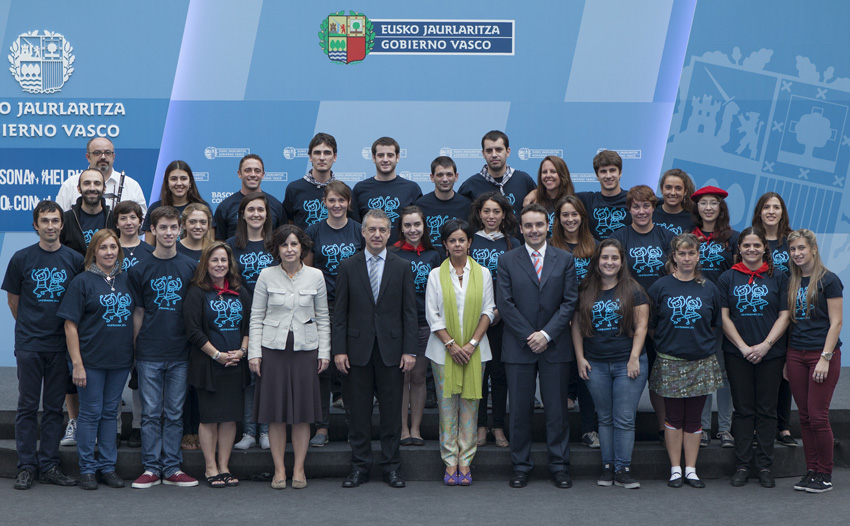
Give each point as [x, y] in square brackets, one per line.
[374, 279]
[538, 263]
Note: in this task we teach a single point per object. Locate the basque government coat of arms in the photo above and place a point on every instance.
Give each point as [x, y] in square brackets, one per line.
[346, 38]
[41, 63]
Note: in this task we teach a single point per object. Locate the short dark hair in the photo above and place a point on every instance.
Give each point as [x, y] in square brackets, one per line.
[128, 207]
[385, 141]
[533, 207]
[495, 135]
[322, 138]
[279, 237]
[47, 206]
[607, 158]
[164, 212]
[641, 192]
[445, 161]
[453, 225]
[339, 188]
[252, 156]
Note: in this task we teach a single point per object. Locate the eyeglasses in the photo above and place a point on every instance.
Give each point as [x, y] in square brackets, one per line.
[101, 153]
[707, 204]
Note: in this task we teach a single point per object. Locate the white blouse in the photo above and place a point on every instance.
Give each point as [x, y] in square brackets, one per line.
[436, 351]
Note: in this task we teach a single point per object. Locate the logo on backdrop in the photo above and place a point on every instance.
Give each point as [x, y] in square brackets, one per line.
[41, 63]
[346, 38]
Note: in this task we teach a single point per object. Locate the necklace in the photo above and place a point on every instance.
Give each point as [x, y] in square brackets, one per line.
[110, 280]
[132, 250]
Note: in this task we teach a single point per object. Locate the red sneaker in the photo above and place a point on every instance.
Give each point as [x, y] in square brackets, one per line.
[180, 479]
[147, 480]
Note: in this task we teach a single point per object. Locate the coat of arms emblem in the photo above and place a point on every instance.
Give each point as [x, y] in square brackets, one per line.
[41, 63]
[346, 38]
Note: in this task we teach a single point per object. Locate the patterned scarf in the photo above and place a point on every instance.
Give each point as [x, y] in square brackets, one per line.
[94, 269]
[501, 183]
[310, 179]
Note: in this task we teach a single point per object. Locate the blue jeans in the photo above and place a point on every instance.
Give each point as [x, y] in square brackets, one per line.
[162, 390]
[616, 397]
[249, 426]
[100, 400]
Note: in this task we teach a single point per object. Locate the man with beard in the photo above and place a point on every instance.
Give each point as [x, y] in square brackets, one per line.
[89, 214]
[100, 153]
[251, 172]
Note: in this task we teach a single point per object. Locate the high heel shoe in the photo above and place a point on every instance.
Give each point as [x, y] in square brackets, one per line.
[464, 480]
[450, 479]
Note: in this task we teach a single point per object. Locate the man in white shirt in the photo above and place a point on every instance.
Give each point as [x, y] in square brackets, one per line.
[100, 153]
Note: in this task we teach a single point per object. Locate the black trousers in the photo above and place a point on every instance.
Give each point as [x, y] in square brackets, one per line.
[755, 390]
[357, 391]
[494, 370]
[42, 377]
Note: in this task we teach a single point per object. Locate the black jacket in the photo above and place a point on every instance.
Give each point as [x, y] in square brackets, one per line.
[72, 233]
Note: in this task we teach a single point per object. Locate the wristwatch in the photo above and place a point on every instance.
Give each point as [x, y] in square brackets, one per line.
[827, 355]
[473, 342]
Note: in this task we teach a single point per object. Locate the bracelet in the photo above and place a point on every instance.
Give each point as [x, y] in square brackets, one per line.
[216, 355]
[449, 343]
[769, 341]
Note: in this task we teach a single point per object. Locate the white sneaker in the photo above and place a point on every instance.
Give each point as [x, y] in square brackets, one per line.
[247, 442]
[264, 441]
[70, 438]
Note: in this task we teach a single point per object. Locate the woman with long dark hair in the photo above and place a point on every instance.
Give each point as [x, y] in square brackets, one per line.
[572, 233]
[608, 333]
[178, 190]
[754, 306]
[674, 214]
[494, 223]
[553, 184]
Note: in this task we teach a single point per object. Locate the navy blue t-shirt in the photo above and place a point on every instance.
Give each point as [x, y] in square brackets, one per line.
[715, 258]
[389, 196]
[607, 344]
[779, 251]
[132, 255]
[251, 260]
[303, 203]
[227, 214]
[486, 253]
[91, 223]
[224, 320]
[582, 264]
[684, 316]
[605, 214]
[515, 190]
[809, 332]
[146, 227]
[332, 246]
[437, 212]
[675, 223]
[159, 286]
[754, 307]
[40, 278]
[194, 255]
[104, 319]
[646, 254]
[421, 266]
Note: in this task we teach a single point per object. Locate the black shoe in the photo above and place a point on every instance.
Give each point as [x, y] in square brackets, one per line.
[55, 475]
[111, 479]
[355, 478]
[676, 482]
[695, 483]
[393, 479]
[430, 400]
[135, 438]
[786, 440]
[519, 479]
[821, 483]
[624, 479]
[804, 482]
[24, 479]
[740, 477]
[88, 481]
[405, 442]
[561, 479]
[766, 479]
[607, 477]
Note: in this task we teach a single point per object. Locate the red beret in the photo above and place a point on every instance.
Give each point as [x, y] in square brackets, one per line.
[709, 190]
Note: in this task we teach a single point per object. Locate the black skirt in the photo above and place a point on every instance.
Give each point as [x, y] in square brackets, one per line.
[288, 386]
[225, 404]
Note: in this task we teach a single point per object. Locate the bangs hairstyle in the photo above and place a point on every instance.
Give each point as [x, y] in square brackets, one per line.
[339, 188]
[767, 257]
[565, 186]
[411, 210]
[242, 225]
[679, 242]
[47, 206]
[164, 212]
[722, 230]
[641, 192]
[202, 275]
[590, 289]
[96, 240]
[688, 183]
[319, 139]
[509, 222]
[586, 244]
[796, 279]
[607, 158]
[453, 225]
[128, 207]
[279, 237]
[192, 195]
[784, 226]
[197, 207]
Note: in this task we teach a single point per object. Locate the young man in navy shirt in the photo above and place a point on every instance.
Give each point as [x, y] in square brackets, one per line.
[35, 281]
[304, 198]
[606, 209]
[158, 285]
[443, 203]
[386, 191]
[251, 172]
[497, 175]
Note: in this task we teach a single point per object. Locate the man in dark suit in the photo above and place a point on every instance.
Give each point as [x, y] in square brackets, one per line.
[537, 297]
[375, 332]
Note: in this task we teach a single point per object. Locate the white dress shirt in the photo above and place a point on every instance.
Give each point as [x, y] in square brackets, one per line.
[435, 350]
[68, 194]
[542, 251]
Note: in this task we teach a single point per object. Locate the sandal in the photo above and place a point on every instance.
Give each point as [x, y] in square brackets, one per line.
[450, 480]
[501, 442]
[482, 440]
[229, 480]
[216, 481]
[464, 480]
[188, 444]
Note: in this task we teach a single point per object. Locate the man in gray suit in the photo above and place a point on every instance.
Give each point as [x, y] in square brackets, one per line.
[374, 342]
[537, 297]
